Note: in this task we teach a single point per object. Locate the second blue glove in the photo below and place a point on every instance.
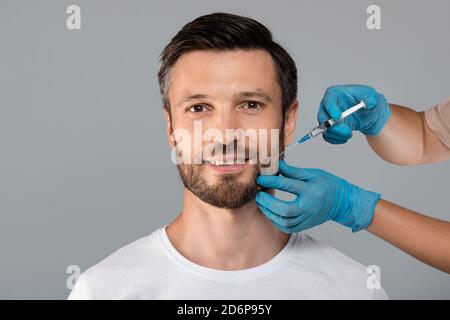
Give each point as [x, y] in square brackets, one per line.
[320, 196]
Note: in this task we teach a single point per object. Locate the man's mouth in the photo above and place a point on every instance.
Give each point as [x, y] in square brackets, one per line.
[225, 163]
[230, 161]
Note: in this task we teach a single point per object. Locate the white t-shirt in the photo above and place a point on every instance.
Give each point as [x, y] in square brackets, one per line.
[151, 268]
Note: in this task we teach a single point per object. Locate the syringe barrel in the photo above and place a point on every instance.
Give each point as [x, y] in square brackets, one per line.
[318, 130]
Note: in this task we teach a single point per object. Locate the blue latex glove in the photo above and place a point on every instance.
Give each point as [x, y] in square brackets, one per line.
[321, 196]
[369, 120]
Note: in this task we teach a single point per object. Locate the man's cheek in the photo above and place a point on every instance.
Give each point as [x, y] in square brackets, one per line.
[271, 169]
[269, 153]
[187, 145]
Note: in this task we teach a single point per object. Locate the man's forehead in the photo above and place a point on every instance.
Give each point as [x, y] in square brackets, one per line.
[219, 56]
[236, 73]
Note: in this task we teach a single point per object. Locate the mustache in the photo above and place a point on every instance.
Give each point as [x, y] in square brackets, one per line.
[231, 151]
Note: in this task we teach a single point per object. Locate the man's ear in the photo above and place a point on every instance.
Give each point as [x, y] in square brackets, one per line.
[290, 120]
[169, 127]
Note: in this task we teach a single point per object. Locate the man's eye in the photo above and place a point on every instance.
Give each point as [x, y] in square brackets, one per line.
[197, 108]
[252, 105]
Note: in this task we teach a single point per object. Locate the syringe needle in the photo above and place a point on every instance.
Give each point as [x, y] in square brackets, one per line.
[288, 146]
[326, 125]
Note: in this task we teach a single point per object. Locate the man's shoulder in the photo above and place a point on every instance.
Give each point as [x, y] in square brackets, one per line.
[344, 275]
[136, 259]
[312, 246]
[343, 272]
[142, 250]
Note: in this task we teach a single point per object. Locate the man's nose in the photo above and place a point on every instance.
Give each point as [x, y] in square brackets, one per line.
[225, 119]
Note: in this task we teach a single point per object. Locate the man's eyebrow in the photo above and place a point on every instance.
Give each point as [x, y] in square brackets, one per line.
[243, 94]
[252, 94]
[193, 97]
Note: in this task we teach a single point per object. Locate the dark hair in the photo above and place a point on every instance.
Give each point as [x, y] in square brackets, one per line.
[225, 31]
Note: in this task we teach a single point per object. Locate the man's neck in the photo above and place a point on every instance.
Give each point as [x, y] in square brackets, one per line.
[225, 239]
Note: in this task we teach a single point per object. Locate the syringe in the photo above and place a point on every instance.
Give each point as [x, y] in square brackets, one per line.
[321, 128]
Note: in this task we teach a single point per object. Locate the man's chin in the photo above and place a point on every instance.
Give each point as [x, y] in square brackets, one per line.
[228, 201]
[228, 191]
[240, 173]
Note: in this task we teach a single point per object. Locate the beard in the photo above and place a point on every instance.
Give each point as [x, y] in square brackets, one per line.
[229, 192]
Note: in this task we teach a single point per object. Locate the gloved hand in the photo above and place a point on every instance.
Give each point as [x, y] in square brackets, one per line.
[321, 196]
[369, 120]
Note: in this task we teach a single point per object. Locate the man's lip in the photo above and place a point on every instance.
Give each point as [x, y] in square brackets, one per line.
[229, 161]
[227, 168]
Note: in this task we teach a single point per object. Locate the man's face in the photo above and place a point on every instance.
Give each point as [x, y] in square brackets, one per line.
[224, 90]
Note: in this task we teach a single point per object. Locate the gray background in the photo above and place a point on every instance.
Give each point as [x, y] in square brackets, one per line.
[84, 163]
